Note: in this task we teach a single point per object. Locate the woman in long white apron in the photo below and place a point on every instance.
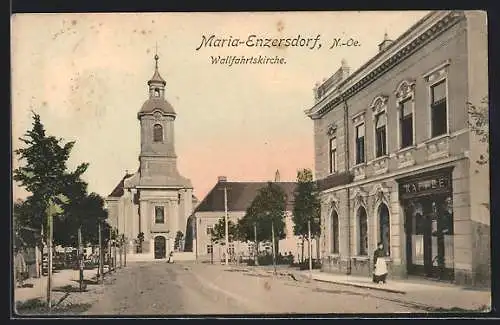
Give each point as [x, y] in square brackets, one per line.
[380, 266]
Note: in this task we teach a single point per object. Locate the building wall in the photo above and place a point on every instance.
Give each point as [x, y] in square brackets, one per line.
[477, 49]
[112, 208]
[148, 146]
[335, 119]
[124, 215]
[205, 219]
[446, 56]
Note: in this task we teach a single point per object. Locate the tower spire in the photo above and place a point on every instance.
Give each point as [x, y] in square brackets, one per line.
[156, 56]
[156, 80]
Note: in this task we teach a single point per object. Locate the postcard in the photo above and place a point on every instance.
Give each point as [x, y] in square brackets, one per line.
[180, 164]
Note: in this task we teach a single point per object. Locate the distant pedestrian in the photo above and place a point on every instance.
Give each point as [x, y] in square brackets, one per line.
[379, 264]
[171, 257]
[20, 268]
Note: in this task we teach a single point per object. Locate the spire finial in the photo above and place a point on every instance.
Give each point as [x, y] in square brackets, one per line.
[386, 36]
[156, 56]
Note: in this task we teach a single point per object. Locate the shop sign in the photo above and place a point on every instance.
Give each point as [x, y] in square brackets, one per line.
[440, 183]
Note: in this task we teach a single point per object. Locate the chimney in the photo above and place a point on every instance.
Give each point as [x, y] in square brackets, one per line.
[385, 43]
[221, 179]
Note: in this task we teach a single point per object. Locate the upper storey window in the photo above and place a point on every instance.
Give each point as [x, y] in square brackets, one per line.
[360, 143]
[157, 92]
[438, 109]
[406, 123]
[379, 108]
[159, 214]
[380, 135]
[333, 155]
[405, 94]
[157, 133]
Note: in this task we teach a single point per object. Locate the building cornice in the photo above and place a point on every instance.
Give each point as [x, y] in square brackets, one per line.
[162, 187]
[423, 32]
[398, 173]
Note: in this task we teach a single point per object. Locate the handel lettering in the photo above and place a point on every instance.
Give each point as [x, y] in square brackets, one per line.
[438, 183]
[257, 41]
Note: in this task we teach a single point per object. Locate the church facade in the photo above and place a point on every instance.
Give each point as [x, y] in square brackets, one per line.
[151, 205]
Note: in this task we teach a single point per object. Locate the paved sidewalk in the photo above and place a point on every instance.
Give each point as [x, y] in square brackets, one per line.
[425, 292]
[432, 294]
[59, 279]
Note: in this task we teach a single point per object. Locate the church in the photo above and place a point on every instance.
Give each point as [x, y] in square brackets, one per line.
[151, 205]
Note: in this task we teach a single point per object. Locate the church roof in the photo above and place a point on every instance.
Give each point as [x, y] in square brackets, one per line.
[153, 104]
[156, 78]
[240, 195]
[118, 191]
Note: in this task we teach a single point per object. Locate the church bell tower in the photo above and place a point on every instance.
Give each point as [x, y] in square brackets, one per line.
[158, 159]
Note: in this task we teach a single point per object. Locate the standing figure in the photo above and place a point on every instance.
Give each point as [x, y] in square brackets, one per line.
[171, 257]
[379, 264]
[20, 268]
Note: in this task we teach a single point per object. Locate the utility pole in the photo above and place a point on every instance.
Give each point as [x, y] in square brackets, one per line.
[226, 223]
[256, 244]
[80, 258]
[109, 250]
[195, 236]
[125, 251]
[114, 254]
[50, 234]
[310, 247]
[274, 247]
[120, 250]
[109, 256]
[101, 266]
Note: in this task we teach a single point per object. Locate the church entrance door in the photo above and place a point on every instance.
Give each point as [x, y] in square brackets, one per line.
[160, 247]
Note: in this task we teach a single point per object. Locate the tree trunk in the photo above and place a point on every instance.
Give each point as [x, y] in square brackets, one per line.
[302, 255]
[317, 249]
[277, 249]
[256, 252]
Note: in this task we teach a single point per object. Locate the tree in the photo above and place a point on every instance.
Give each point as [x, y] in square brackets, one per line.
[178, 238]
[43, 172]
[84, 211]
[140, 240]
[218, 232]
[306, 208]
[479, 124]
[267, 208]
[24, 234]
[67, 223]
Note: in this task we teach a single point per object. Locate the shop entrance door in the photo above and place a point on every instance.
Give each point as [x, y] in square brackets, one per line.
[429, 237]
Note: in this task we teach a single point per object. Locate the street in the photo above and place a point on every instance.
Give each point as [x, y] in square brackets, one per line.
[168, 289]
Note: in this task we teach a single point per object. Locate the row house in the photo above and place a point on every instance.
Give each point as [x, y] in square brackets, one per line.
[240, 195]
[395, 159]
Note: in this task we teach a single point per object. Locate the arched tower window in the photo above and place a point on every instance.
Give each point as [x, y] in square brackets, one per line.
[157, 133]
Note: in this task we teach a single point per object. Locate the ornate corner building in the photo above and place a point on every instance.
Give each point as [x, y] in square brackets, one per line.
[395, 159]
[156, 200]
